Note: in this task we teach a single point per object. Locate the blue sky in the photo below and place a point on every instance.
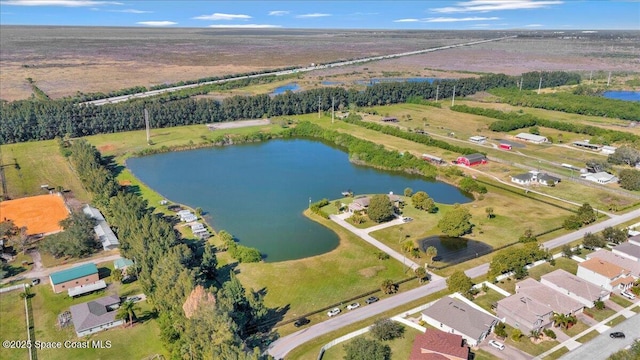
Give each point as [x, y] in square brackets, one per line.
[427, 15]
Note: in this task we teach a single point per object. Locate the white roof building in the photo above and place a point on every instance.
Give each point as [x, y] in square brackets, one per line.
[536, 139]
[103, 231]
[600, 177]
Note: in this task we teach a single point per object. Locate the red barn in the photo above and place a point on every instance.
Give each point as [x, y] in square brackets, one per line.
[472, 159]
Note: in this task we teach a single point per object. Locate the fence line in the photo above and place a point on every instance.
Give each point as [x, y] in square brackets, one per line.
[11, 288]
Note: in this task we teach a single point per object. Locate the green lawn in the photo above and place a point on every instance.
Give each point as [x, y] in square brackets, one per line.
[599, 315]
[484, 355]
[620, 300]
[13, 325]
[557, 354]
[488, 299]
[575, 329]
[571, 266]
[400, 348]
[590, 335]
[31, 164]
[616, 320]
[527, 346]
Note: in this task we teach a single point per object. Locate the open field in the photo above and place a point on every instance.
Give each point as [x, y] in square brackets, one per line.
[400, 347]
[28, 165]
[40, 214]
[64, 60]
[13, 325]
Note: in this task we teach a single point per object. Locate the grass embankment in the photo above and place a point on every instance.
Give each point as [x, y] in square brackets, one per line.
[400, 347]
[13, 325]
[29, 165]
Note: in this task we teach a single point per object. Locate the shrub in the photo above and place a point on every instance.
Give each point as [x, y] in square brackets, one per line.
[550, 333]
[500, 330]
[387, 329]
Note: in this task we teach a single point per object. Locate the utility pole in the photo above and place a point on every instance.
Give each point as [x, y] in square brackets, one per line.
[540, 85]
[333, 111]
[319, 106]
[590, 77]
[609, 79]
[453, 97]
[437, 89]
[521, 80]
[146, 123]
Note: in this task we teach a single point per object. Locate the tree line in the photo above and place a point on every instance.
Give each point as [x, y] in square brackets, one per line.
[169, 268]
[510, 121]
[572, 103]
[27, 120]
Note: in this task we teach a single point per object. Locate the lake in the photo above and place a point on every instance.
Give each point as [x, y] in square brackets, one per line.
[284, 88]
[258, 192]
[454, 250]
[623, 95]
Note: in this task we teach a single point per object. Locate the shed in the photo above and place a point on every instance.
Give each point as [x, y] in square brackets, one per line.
[536, 139]
[122, 263]
[472, 159]
[75, 276]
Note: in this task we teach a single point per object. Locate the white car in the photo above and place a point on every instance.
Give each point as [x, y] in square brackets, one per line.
[628, 295]
[497, 345]
[333, 312]
[353, 306]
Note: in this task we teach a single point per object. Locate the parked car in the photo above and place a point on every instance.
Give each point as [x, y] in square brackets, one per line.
[407, 219]
[617, 335]
[353, 306]
[628, 295]
[333, 312]
[134, 299]
[301, 322]
[35, 281]
[371, 300]
[497, 345]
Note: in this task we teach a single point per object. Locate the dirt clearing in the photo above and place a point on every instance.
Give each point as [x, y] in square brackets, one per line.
[40, 214]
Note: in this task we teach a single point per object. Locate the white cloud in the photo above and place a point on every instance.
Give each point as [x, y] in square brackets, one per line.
[66, 3]
[494, 5]
[313, 15]
[406, 20]
[221, 16]
[131, 11]
[278, 13]
[244, 26]
[534, 25]
[450, 19]
[156, 23]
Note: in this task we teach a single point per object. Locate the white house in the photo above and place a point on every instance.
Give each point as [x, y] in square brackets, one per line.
[579, 289]
[607, 275]
[600, 177]
[535, 177]
[536, 139]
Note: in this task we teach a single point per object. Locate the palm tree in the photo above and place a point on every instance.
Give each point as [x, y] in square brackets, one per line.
[127, 309]
[432, 252]
[421, 273]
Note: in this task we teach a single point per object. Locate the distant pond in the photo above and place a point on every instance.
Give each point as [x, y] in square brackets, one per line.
[284, 88]
[258, 192]
[623, 95]
[454, 250]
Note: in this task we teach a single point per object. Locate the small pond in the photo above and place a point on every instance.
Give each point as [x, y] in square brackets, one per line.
[623, 95]
[454, 250]
[284, 88]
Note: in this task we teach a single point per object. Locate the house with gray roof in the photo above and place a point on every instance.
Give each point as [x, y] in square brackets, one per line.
[535, 177]
[536, 139]
[627, 249]
[600, 177]
[456, 316]
[96, 315]
[104, 233]
[575, 287]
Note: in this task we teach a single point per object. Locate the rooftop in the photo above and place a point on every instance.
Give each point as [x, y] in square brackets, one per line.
[532, 137]
[433, 344]
[603, 267]
[474, 157]
[633, 266]
[575, 285]
[460, 316]
[73, 273]
[121, 263]
[94, 313]
[526, 308]
[545, 295]
[629, 248]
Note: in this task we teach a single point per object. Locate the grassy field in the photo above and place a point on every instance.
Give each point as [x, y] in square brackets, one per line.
[557, 354]
[599, 315]
[400, 348]
[488, 299]
[575, 329]
[568, 265]
[28, 165]
[590, 335]
[619, 300]
[13, 325]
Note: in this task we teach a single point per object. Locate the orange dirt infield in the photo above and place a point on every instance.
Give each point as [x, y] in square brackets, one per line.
[40, 214]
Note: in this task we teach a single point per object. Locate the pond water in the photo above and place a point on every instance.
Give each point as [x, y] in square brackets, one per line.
[623, 95]
[454, 250]
[388, 80]
[284, 88]
[258, 192]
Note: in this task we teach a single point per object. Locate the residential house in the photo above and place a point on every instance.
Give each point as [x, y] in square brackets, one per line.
[632, 266]
[460, 317]
[605, 274]
[76, 276]
[600, 177]
[200, 230]
[536, 139]
[122, 263]
[472, 159]
[580, 289]
[106, 236]
[362, 202]
[627, 249]
[439, 345]
[535, 177]
[533, 305]
[96, 315]
[186, 216]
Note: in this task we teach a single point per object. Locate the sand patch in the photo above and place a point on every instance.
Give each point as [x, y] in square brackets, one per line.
[40, 214]
[371, 271]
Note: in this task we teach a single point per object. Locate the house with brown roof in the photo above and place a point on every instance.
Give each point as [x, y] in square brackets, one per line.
[460, 317]
[439, 345]
[580, 289]
[533, 305]
[632, 266]
[607, 275]
[96, 315]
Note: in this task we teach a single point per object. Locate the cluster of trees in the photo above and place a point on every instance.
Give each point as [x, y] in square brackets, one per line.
[515, 120]
[15, 236]
[422, 201]
[633, 353]
[608, 235]
[515, 259]
[374, 349]
[461, 283]
[316, 208]
[415, 137]
[570, 103]
[242, 253]
[585, 215]
[380, 208]
[40, 120]
[77, 239]
[456, 222]
[471, 186]
[169, 268]
[629, 179]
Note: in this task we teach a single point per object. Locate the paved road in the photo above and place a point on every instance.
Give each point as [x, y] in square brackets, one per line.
[287, 343]
[602, 346]
[284, 345]
[116, 99]
[364, 235]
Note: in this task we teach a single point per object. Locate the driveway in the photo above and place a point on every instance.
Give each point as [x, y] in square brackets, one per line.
[509, 352]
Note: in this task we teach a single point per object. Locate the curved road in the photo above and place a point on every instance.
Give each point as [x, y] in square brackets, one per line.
[281, 347]
[117, 99]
